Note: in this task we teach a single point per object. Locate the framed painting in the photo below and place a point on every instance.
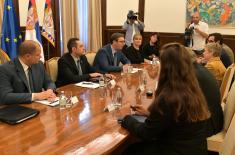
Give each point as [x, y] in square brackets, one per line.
[217, 13]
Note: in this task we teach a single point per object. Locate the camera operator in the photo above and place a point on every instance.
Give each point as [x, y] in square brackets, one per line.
[132, 26]
[200, 33]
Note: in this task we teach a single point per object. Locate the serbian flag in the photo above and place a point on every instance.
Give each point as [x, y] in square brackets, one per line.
[48, 24]
[32, 26]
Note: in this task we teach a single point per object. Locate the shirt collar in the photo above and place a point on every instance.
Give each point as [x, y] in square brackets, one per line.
[113, 50]
[25, 67]
[214, 59]
[75, 58]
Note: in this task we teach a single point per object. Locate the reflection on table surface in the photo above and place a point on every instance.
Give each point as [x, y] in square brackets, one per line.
[82, 129]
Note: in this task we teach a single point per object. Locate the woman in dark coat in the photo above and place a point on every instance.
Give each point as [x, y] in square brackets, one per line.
[176, 120]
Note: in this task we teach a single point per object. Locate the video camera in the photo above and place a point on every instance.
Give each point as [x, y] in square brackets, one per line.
[132, 15]
[189, 31]
[188, 36]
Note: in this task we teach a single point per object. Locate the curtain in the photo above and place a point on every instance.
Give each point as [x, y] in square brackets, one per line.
[83, 21]
[69, 22]
[1, 16]
[95, 25]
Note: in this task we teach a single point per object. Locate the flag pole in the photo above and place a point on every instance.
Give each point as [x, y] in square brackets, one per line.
[48, 50]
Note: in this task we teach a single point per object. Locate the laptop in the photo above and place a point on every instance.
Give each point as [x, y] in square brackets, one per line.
[15, 114]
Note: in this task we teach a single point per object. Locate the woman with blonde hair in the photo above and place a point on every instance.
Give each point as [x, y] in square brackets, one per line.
[214, 64]
[134, 52]
[176, 120]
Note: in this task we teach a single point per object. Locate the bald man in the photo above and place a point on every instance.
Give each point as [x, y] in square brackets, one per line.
[200, 33]
[24, 80]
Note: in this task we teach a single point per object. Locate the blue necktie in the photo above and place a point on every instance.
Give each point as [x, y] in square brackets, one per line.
[115, 59]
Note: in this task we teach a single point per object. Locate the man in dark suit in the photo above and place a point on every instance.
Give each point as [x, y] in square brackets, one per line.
[24, 79]
[73, 66]
[108, 57]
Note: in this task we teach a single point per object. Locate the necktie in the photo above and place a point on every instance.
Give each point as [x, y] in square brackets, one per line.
[79, 67]
[115, 59]
[30, 76]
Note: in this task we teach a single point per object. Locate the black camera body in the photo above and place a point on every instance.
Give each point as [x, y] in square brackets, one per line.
[132, 15]
[189, 31]
[188, 36]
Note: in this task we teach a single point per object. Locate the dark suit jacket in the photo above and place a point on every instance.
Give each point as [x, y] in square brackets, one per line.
[165, 135]
[13, 83]
[68, 71]
[210, 89]
[104, 60]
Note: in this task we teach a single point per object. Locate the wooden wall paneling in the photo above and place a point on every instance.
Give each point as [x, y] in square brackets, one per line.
[103, 18]
[230, 41]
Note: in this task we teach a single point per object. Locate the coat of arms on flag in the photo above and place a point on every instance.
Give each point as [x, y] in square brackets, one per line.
[48, 24]
[32, 26]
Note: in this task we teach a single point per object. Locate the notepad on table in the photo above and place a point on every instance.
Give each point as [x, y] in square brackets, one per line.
[86, 84]
[52, 103]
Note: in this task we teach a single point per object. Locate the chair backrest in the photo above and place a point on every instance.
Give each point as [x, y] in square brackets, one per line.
[52, 68]
[229, 51]
[226, 82]
[229, 107]
[228, 145]
[3, 57]
[90, 57]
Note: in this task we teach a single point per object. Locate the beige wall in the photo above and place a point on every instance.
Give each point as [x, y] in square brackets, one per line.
[160, 15]
[117, 10]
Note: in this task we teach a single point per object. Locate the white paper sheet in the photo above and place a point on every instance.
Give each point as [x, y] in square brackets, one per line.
[87, 84]
[46, 102]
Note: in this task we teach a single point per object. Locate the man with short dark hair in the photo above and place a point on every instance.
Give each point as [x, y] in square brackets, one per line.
[108, 57]
[226, 56]
[73, 66]
[24, 79]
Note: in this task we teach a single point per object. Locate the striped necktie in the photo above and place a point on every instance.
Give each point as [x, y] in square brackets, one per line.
[30, 80]
[79, 67]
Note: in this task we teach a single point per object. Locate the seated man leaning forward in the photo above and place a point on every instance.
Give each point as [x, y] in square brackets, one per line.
[73, 66]
[24, 80]
[108, 57]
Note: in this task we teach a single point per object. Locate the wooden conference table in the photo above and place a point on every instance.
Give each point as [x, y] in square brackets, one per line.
[82, 129]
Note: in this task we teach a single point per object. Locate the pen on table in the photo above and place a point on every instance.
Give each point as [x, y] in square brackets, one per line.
[53, 101]
[89, 83]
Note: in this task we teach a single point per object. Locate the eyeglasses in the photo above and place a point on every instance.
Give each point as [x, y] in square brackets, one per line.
[121, 41]
[210, 41]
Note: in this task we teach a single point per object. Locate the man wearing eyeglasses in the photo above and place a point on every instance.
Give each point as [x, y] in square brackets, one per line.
[109, 57]
[224, 56]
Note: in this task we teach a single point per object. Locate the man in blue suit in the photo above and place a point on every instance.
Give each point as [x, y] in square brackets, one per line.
[108, 57]
[24, 79]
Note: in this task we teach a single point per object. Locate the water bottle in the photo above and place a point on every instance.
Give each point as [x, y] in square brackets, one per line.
[102, 81]
[62, 100]
[118, 98]
[144, 78]
[154, 62]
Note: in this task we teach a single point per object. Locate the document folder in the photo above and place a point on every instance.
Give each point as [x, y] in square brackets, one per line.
[15, 114]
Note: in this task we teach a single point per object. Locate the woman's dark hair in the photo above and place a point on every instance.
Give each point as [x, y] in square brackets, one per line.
[178, 87]
[157, 43]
